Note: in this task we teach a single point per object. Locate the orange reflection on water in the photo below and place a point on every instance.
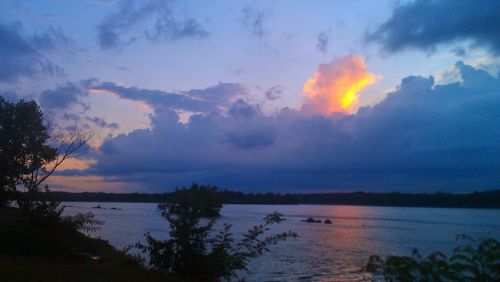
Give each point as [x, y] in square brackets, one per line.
[340, 248]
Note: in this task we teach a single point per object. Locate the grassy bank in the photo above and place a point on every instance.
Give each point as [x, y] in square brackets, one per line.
[34, 252]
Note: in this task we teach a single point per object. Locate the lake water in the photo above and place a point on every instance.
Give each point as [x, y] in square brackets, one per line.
[334, 252]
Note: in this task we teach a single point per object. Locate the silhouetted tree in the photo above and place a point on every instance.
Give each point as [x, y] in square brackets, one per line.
[70, 144]
[27, 158]
[29, 155]
[23, 144]
[191, 251]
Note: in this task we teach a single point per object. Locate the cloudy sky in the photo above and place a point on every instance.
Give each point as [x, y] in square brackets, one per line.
[283, 96]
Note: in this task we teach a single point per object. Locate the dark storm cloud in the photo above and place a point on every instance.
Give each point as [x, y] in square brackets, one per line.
[322, 42]
[253, 20]
[195, 100]
[168, 28]
[24, 56]
[241, 109]
[220, 94]
[52, 39]
[155, 20]
[274, 93]
[63, 97]
[426, 24]
[102, 123]
[459, 51]
[422, 137]
[249, 140]
[153, 98]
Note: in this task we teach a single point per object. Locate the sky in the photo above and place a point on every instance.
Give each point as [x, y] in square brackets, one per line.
[264, 96]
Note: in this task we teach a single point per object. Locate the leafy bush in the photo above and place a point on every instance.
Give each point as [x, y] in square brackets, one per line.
[192, 252]
[205, 199]
[49, 213]
[476, 262]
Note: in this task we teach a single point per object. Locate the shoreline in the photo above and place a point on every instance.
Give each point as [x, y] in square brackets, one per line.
[476, 200]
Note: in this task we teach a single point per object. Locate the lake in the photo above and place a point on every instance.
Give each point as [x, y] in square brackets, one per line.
[334, 252]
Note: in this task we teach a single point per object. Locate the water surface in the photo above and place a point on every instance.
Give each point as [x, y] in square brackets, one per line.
[322, 252]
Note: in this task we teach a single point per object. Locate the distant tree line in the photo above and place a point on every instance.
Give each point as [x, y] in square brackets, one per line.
[485, 199]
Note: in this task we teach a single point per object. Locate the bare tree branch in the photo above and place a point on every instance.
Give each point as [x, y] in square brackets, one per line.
[69, 145]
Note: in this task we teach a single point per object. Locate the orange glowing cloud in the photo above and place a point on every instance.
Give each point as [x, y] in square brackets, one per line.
[141, 105]
[334, 87]
[103, 91]
[85, 183]
[74, 163]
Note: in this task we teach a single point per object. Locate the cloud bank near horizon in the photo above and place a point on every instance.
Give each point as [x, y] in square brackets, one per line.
[421, 137]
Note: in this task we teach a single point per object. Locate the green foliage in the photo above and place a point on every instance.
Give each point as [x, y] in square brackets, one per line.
[26, 158]
[186, 250]
[115, 268]
[23, 142]
[48, 213]
[34, 252]
[24, 161]
[42, 234]
[227, 257]
[203, 199]
[479, 262]
[194, 253]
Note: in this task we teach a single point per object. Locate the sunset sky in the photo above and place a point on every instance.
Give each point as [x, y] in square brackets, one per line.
[257, 96]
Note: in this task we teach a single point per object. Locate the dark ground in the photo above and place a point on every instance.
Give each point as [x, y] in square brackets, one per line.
[29, 252]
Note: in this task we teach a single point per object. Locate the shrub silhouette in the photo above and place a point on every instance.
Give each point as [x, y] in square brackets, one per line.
[206, 199]
[194, 253]
[477, 261]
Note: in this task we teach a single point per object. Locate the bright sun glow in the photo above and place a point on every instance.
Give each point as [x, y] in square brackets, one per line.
[334, 87]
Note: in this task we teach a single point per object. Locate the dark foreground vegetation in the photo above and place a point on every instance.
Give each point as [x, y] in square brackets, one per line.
[474, 261]
[485, 199]
[36, 245]
[34, 248]
[38, 242]
[196, 250]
